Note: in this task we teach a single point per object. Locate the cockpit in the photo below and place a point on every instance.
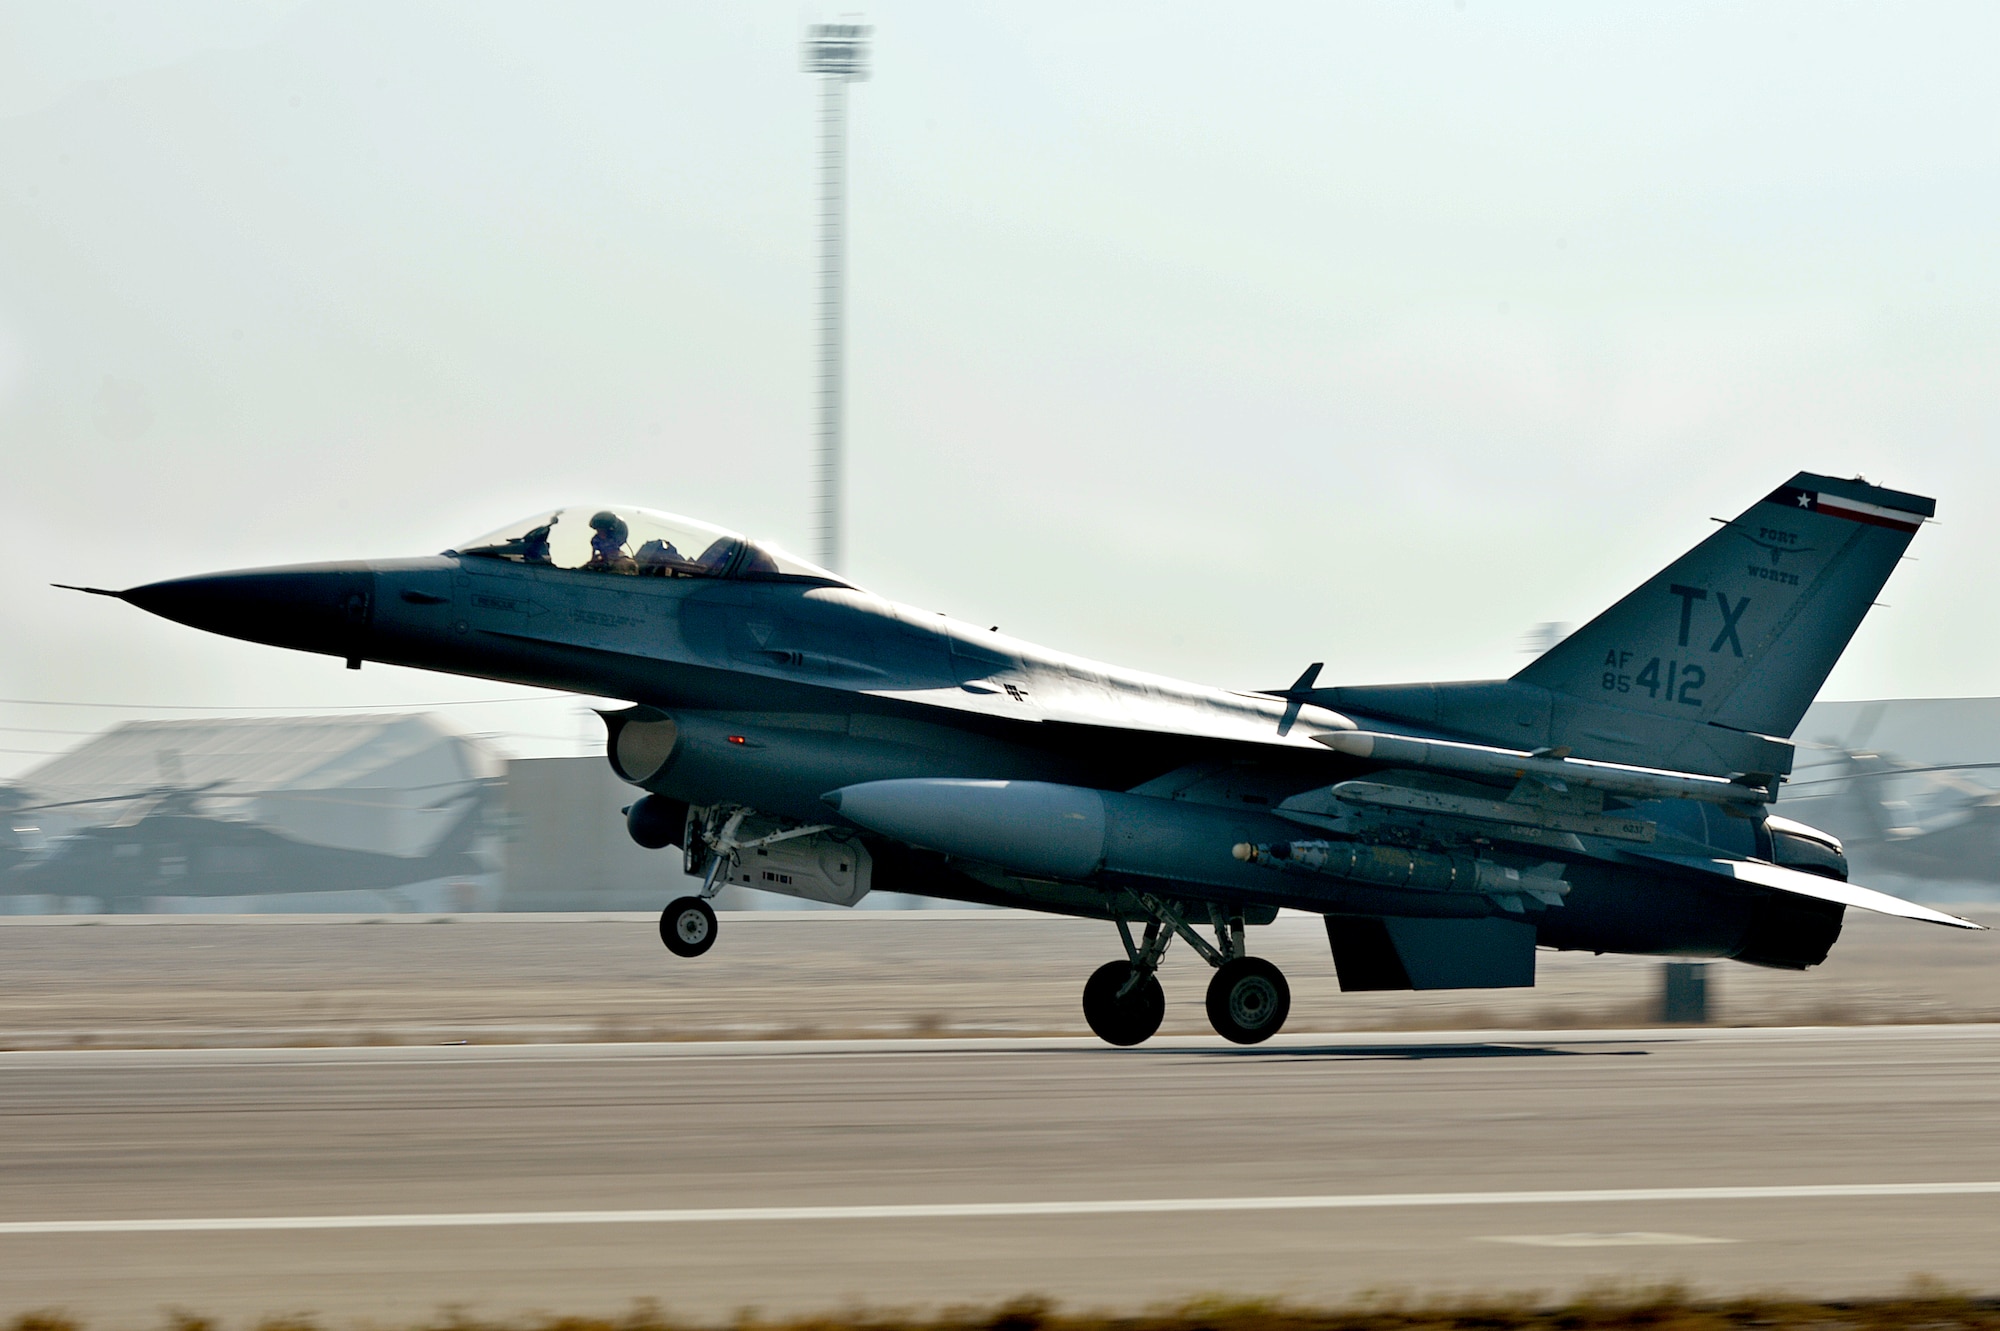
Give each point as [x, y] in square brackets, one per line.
[640, 543]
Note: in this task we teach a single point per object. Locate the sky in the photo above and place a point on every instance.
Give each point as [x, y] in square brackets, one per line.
[1211, 343]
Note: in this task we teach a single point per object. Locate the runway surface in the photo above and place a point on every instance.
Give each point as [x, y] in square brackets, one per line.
[171, 980]
[786, 1176]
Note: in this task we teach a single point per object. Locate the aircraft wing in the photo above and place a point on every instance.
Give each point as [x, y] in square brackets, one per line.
[1810, 885]
[1156, 706]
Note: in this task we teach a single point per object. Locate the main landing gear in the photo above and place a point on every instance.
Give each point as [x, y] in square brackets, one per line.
[1248, 999]
[1123, 1004]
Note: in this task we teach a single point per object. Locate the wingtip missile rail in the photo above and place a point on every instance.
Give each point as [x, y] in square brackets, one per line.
[1560, 772]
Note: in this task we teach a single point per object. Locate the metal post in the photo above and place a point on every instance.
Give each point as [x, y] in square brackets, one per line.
[832, 288]
[838, 52]
[1684, 993]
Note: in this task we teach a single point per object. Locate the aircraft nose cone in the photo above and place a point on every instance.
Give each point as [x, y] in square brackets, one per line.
[310, 607]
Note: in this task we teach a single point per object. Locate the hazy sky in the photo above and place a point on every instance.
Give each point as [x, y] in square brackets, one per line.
[1213, 341]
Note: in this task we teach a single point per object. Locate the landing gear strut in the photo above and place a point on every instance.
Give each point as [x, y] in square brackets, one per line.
[687, 925]
[1123, 1001]
[1248, 999]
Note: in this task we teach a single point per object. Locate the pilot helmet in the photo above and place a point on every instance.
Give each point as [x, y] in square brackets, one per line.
[610, 524]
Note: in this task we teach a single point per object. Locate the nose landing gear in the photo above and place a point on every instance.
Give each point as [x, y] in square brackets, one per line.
[687, 927]
[715, 850]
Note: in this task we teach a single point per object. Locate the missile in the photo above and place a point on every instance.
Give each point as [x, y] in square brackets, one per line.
[1561, 772]
[1420, 870]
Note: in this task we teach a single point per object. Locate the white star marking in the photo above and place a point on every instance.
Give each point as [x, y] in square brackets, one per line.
[1805, 501]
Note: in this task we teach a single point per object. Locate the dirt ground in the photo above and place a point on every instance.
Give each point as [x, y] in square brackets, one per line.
[195, 980]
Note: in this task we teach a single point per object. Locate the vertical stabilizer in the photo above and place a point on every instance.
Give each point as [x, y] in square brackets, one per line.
[1743, 630]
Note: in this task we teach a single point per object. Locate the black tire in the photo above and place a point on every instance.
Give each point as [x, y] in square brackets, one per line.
[1127, 1021]
[687, 927]
[1248, 1000]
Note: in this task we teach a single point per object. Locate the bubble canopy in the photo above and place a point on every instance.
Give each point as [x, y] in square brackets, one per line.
[639, 542]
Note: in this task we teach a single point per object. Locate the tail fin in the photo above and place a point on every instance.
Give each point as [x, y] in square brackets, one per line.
[1743, 630]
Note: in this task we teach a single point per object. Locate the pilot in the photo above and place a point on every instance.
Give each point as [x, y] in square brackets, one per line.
[607, 546]
[658, 557]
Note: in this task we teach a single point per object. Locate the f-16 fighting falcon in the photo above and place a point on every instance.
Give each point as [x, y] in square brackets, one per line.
[792, 732]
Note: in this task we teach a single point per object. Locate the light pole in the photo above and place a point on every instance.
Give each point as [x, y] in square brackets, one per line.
[838, 53]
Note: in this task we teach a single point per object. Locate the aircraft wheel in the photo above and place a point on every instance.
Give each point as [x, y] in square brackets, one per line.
[1248, 1000]
[1123, 1021]
[687, 927]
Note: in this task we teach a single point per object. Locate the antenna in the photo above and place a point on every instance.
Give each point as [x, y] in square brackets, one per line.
[838, 53]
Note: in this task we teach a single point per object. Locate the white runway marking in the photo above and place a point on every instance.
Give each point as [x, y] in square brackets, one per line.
[1633, 1238]
[1001, 1210]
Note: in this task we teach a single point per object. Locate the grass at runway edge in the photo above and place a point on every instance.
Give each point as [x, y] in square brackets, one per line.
[1665, 1308]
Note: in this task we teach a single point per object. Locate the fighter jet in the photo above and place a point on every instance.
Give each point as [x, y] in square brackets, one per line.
[793, 732]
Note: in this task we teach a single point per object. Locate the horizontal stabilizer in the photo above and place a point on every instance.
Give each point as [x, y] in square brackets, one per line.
[1812, 885]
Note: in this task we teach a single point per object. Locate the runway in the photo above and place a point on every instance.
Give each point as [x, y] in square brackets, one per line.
[125, 981]
[788, 1176]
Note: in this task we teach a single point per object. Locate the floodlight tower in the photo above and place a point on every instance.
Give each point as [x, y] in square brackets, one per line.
[838, 53]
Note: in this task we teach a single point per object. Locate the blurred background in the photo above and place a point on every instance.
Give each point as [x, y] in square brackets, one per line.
[1372, 334]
